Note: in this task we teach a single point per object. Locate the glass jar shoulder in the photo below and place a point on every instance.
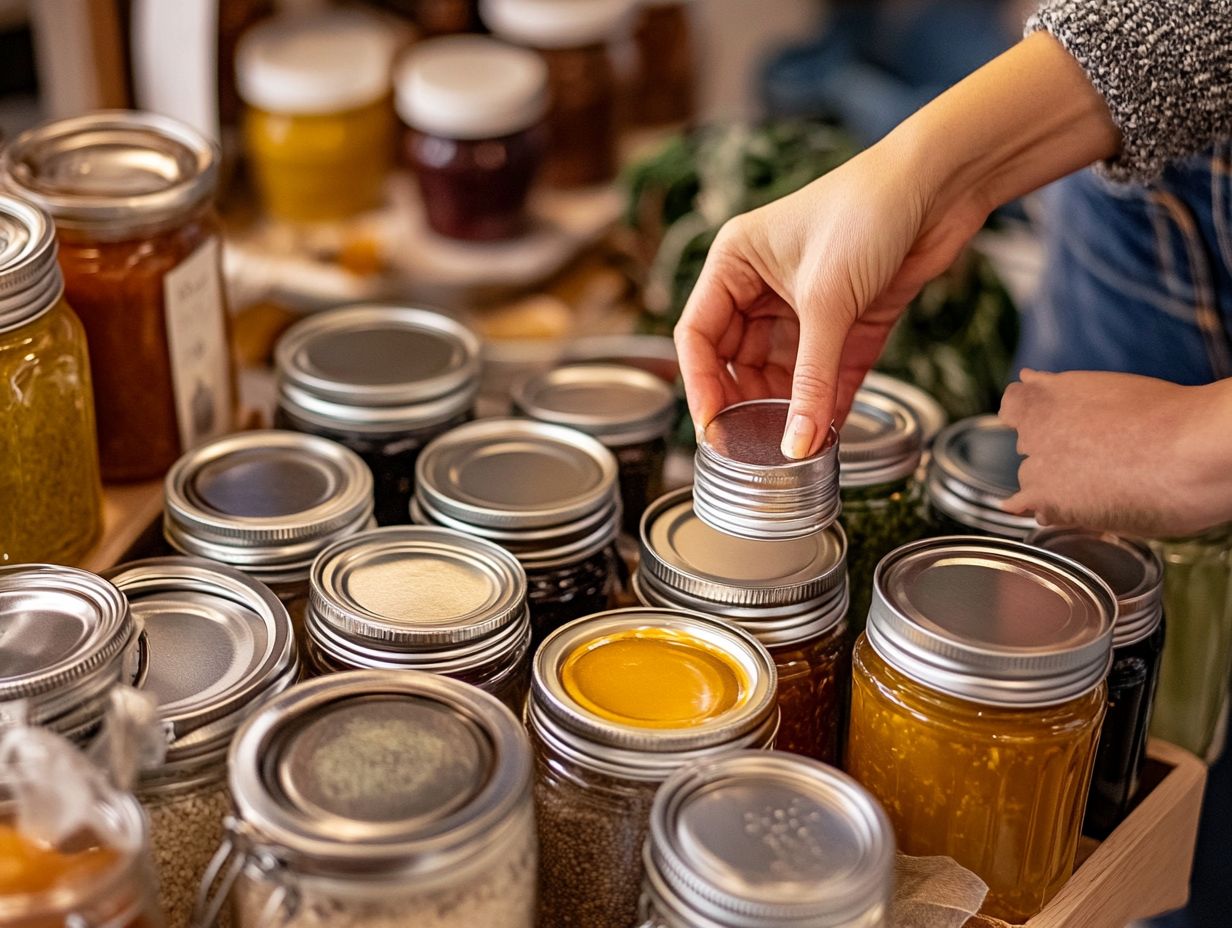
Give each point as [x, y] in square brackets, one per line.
[135, 262]
[51, 347]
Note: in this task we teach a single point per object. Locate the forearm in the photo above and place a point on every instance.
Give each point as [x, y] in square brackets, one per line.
[1207, 448]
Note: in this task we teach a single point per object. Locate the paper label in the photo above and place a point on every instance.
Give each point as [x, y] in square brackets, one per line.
[197, 344]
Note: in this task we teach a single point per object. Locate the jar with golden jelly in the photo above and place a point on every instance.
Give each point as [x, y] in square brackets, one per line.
[618, 702]
[49, 484]
[141, 251]
[319, 126]
[790, 595]
[977, 698]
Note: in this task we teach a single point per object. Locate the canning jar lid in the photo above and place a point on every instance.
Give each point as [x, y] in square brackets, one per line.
[266, 501]
[880, 442]
[992, 621]
[617, 404]
[1133, 571]
[650, 751]
[30, 278]
[218, 645]
[928, 412]
[471, 87]
[377, 369]
[113, 171]
[762, 839]
[316, 63]
[380, 774]
[555, 23]
[974, 469]
[745, 486]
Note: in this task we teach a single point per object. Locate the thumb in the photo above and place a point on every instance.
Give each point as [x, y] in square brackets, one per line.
[814, 386]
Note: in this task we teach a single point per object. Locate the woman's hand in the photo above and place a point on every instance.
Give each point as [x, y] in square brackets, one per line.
[1122, 453]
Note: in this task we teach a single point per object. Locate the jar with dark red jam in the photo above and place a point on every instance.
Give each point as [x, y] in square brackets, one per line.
[475, 109]
[1136, 575]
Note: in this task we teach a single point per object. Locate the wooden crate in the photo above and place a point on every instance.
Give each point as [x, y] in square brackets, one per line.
[131, 522]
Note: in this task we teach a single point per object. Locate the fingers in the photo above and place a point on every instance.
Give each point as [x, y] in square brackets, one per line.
[813, 386]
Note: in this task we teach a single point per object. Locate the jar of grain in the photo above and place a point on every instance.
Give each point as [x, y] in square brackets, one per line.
[379, 799]
[791, 595]
[219, 646]
[427, 599]
[618, 702]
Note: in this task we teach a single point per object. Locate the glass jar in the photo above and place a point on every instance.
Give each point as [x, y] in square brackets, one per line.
[381, 380]
[267, 503]
[49, 480]
[928, 412]
[319, 127]
[574, 38]
[237, 637]
[545, 493]
[761, 839]
[665, 85]
[379, 798]
[791, 595]
[428, 599]
[977, 697]
[141, 253]
[67, 639]
[630, 411]
[883, 503]
[475, 110]
[445, 17]
[618, 702]
[972, 471]
[1197, 659]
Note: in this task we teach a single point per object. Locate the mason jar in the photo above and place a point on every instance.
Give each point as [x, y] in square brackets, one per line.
[928, 412]
[428, 599]
[762, 839]
[378, 798]
[545, 493]
[236, 637]
[790, 595]
[267, 503]
[977, 698]
[381, 380]
[619, 701]
[665, 82]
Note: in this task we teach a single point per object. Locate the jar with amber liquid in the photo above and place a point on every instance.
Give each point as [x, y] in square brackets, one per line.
[141, 253]
[977, 698]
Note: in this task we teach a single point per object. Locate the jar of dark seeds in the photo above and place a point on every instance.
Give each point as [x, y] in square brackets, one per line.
[631, 411]
[219, 646]
[382, 380]
[618, 702]
[760, 839]
[379, 799]
[428, 599]
[791, 595]
[545, 493]
[267, 503]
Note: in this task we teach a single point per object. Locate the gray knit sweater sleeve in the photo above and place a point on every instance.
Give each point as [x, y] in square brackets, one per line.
[1163, 66]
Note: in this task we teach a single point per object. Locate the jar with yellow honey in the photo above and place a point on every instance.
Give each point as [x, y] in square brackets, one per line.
[977, 697]
[619, 701]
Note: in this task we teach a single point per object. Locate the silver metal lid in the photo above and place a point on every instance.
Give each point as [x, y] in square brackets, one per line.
[112, 171]
[746, 487]
[515, 474]
[763, 839]
[267, 502]
[652, 749]
[374, 368]
[974, 469]
[993, 621]
[880, 442]
[617, 404]
[30, 278]
[219, 644]
[380, 773]
[1130, 568]
[930, 414]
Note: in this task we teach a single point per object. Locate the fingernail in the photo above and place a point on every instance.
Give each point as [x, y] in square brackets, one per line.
[798, 438]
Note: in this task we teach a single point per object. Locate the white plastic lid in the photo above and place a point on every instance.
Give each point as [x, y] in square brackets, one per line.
[315, 64]
[555, 23]
[471, 87]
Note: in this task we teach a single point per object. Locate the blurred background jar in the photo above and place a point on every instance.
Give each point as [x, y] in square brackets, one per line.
[665, 86]
[575, 37]
[319, 128]
[475, 109]
[131, 195]
[52, 509]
